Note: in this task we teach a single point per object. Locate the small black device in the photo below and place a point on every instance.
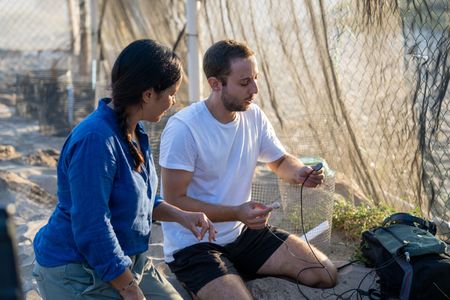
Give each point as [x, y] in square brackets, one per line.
[318, 167]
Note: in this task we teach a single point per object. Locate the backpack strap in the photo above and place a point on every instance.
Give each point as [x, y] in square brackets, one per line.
[407, 281]
[411, 220]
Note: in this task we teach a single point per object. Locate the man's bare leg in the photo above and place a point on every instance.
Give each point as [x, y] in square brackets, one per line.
[227, 287]
[283, 263]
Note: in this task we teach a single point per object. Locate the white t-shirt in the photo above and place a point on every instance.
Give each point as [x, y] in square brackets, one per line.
[222, 158]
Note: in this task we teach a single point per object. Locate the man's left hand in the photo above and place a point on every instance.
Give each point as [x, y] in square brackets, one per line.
[313, 178]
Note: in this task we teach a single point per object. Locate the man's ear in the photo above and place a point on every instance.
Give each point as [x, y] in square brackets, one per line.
[215, 84]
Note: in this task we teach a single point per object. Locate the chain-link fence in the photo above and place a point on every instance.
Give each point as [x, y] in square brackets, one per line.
[45, 61]
[362, 84]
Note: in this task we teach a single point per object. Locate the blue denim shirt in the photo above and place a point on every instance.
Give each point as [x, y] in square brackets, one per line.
[104, 208]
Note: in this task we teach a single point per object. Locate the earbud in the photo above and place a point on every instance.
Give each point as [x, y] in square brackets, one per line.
[275, 205]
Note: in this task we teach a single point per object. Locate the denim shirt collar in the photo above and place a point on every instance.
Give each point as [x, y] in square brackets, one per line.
[111, 117]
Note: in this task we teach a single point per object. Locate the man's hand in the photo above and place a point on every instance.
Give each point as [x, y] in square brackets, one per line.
[192, 220]
[254, 215]
[313, 178]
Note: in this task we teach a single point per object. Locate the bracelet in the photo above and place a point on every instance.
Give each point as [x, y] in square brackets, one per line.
[132, 283]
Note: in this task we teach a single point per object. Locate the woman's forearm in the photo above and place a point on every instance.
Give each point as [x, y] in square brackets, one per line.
[167, 212]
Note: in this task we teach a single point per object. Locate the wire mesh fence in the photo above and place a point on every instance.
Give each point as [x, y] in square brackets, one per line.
[362, 84]
[306, 212]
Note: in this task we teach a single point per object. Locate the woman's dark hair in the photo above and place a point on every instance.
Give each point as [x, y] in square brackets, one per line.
[142, 65]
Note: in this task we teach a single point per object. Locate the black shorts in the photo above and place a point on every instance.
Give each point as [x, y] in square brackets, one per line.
[201, 263]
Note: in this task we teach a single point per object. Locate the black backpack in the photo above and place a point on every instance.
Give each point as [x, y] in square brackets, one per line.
[410, 261]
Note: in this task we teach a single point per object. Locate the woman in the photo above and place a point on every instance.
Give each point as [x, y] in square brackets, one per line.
[93, 244]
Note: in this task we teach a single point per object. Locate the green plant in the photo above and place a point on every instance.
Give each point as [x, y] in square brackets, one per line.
[352, 220]
[312, 218]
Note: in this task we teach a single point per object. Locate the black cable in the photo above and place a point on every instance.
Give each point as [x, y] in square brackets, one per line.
[304, 231]
[347, 264]
[298, 276]
[357, 290]
[306, 239]
[287, 247]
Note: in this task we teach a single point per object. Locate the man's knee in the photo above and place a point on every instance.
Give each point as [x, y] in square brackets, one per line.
[229, 286]
[327, 275]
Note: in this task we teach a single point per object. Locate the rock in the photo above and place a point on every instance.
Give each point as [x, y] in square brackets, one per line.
[33, 295]
[15, 183]
[8, 99]
[271, 288]
[8, 152]
[351, 277]
[47, 158]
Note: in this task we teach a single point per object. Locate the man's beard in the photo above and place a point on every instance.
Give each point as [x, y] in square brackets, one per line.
[231, 103]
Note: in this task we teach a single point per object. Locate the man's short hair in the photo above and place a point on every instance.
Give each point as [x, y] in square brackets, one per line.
[217, 59]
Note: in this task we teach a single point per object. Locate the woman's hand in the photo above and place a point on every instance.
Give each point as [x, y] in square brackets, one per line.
[198, 223]
[191, 220]
[253, 214]
[127, 286]
[132, 293]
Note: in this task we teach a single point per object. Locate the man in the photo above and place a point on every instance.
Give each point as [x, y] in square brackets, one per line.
[208, 156]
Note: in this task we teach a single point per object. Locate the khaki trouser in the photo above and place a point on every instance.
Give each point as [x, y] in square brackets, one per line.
[78, 281]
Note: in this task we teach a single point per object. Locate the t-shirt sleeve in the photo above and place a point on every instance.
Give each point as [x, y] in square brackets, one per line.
[271, 148]
[177, 147]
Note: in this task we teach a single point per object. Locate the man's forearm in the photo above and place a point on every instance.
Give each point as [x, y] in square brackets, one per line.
[286, 168]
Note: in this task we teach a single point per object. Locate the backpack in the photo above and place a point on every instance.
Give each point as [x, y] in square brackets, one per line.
[410, 261]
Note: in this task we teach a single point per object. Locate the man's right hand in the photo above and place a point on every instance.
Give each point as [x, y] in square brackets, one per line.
[253, 214]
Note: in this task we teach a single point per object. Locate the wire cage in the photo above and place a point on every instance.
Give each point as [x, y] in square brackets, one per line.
[305, 212]
[58, 103]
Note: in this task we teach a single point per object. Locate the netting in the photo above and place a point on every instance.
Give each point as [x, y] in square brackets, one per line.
[362, 84]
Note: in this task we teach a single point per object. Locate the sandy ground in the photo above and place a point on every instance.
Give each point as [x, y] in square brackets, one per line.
[28, 180]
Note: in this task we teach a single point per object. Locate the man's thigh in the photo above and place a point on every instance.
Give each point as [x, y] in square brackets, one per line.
[200, 264]
[300, 261]
[254, 247]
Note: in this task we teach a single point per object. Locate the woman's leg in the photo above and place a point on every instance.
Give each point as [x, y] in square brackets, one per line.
[72, 281]
[153, 284]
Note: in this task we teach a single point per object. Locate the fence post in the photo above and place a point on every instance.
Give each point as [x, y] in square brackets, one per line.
[193, 55]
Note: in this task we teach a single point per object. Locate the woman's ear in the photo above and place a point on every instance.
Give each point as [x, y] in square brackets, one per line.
[147, 95]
